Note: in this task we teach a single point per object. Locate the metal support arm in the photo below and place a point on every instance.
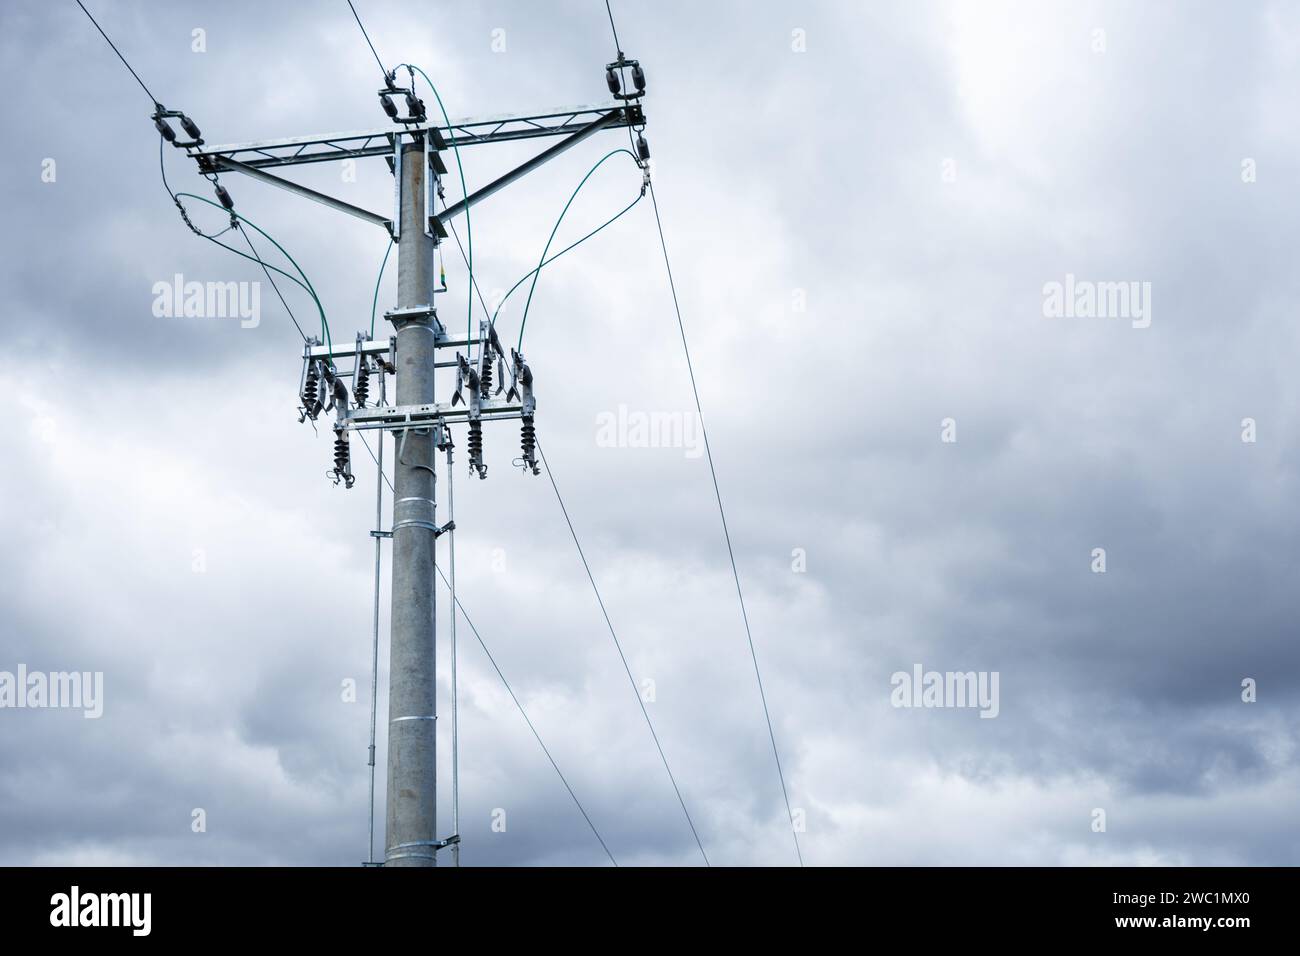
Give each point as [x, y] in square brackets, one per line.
[225, 162]
[544, 156]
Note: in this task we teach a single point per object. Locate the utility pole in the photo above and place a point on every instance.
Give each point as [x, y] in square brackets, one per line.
[412, 690]
[420, 425]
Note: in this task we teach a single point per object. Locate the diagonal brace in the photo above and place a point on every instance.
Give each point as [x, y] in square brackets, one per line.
[224, 162]
[544, 156]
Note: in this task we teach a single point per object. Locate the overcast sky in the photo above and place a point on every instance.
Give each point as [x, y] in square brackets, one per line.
[864, 203]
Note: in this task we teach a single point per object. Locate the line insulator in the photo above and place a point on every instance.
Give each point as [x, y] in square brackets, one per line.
[311, 403]
[342, 459]
[165, 129]
[361, 387]
[475, 444]
[224, 196]
[485, 376]
[642, 147]
[190, 128]
[611, 80]
[528, 441]
[389, 106]
[638, 78]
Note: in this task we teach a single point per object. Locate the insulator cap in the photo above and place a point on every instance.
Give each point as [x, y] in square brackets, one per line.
[611, 80]
[224, 197]
[165, 129]
[638, 78]
[642, 147]
[389, 107]
[191, 130]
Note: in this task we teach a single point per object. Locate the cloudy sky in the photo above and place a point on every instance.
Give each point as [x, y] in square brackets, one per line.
[864, 203]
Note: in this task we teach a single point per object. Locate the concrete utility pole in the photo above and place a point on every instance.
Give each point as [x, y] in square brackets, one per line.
[412, 703]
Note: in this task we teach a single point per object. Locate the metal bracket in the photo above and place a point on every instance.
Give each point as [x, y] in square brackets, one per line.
[413, 313]
[406, 417]
[430, 180]
[395, 230]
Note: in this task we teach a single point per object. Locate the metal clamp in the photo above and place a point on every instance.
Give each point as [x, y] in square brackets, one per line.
[438, 530]
[435, 845]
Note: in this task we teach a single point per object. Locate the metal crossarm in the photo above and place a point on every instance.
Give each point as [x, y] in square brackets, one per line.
[380, 142]
[398, 417]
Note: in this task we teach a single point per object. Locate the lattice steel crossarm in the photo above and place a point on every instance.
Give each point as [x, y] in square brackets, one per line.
[328, 147]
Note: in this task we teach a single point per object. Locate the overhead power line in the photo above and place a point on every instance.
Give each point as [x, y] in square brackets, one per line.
[722, 513]
[271, 279]
[623, 657]
[152, 98]
[510, 690]
[356, 17]
[551, 476]
[613, 29]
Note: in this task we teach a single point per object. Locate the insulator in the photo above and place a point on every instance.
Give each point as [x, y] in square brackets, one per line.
[389, 107]
[638, 78]
[414, 106]
[361, 387]
[190, 128]
[611, 80]
[485, 379]
[340, 452]
[224, 196]
[642, 147]
[311, 391]
[475, 444]
[528, 439]
[164, 127]
[342, 459]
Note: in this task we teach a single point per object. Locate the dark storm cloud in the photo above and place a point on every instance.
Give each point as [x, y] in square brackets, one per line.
[783, 177]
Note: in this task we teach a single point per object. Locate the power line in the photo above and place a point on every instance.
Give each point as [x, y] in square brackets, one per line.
[617, 46]
[249, 239]
[767, 715]
[492, 316]
[534, 275]
[523, 713]
[563, 212]
[618, 53]
[304, 283]
[574, 533]
[473, 281]
[119, 55]
[367, 36]
[235, 220]
[492, 660]
[412, 69]
[631, 680]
